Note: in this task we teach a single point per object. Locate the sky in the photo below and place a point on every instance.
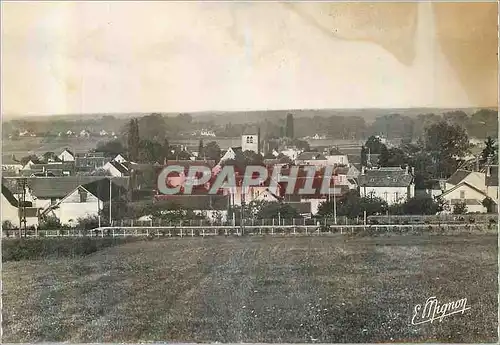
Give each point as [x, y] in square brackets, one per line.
[115, 57]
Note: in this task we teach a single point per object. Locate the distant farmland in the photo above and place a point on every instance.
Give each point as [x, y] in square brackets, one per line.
[264, 289]
[39, 145]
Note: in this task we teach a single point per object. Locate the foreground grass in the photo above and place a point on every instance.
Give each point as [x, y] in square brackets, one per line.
[308, 289]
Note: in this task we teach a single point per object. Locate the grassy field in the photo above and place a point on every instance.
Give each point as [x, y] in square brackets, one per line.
[306, 289]
[38, 145]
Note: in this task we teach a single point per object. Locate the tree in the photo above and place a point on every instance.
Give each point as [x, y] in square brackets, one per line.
[489, 204]
[352, 205]
[383, 159]
[111, 148]
[364, 156]
[301, 145]
[374, 145]
[49, 156]
[446, 143]
[153, 127]
[253, 158]
[150, 151]
[275, 210]
[289, 126]
[212, 151]
[101, 172]
[490, 152]
[422, 205]
[28, 158]
[460, 208]
[133, 140]
[200, 149]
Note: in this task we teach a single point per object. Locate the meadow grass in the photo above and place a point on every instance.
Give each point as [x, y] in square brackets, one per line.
[260, 289]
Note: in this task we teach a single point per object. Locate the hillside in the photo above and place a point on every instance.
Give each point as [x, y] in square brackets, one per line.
[305, 289]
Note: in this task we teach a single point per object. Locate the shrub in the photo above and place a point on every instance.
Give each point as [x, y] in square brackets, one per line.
[7, 225]
[88, 223]
[50, 223]
[41, 248]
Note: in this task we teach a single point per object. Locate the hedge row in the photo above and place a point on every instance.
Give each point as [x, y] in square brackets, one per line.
[43, 248]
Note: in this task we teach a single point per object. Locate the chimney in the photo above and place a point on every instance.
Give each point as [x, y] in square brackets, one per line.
[406, 170]
[413, 171]
[362, 170]
[488, 171]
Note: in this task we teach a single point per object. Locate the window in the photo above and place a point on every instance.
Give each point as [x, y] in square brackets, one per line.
[83, 196]
[462, 194]
[53, 201]
[385, 195]
[396, 196]
[249, 140]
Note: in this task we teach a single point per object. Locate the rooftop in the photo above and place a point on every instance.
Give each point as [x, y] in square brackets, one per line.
[385, 177]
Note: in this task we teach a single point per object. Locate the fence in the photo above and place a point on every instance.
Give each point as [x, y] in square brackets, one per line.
[341, 220]
[283, 230]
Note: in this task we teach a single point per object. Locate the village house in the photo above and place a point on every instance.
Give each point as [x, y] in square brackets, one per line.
[232, 153]
[11, 165]
[464, 193]
[120, 158]
[474, 178]
[335, 157]
[116, 169]
[66, 156]
[311, 158]
[11, 210]
[85, 201]
[392, 184]
[290, 152]
[90, 161]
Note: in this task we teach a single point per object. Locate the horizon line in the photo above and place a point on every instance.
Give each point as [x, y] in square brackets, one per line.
[245, 110]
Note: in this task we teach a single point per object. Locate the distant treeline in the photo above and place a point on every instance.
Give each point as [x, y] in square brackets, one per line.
[479, 123]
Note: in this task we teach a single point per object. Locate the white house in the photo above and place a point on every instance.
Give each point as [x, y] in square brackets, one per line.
[10, 164]
[392, 184]
[491, 182]
[10, 210]
[311, 158]
[120, 158]
[474, 178]
[103, 133]
[231, 153]
[84, 133]
[291, 153]
[67, 156]
[85, 201]
[467, 193]
[116, 169]
[335, 157]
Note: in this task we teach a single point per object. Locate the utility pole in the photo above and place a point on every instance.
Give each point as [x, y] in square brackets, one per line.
[334, 203]
[110, 201]
[23, 205]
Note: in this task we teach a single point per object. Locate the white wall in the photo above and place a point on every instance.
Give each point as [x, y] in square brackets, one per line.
[469, 193]
[337, 159]
[9, 212]
[492, 192]
[252, 146]
[65, 156]
[70, 209]
[112, 170]
[394, 194]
